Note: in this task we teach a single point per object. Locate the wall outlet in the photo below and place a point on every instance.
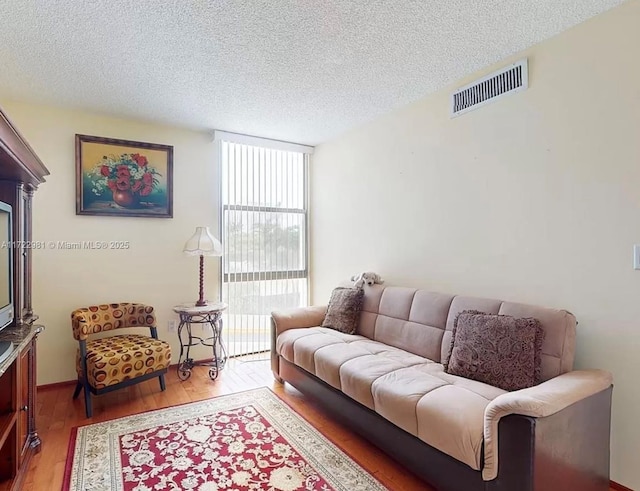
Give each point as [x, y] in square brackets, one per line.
[636, 256]
[173, 325]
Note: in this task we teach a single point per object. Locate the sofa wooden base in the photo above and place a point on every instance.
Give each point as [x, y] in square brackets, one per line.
[567, 451]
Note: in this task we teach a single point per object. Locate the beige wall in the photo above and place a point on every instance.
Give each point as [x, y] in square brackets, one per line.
[154, 269]
[535, 198]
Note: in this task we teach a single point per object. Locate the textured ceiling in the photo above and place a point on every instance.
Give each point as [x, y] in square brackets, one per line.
[295, 70]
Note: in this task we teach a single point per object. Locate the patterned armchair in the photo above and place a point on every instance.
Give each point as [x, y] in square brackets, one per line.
[115, 362]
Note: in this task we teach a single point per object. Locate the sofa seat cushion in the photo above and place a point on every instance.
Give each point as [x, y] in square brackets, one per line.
[443, 410]
[329, 359]
[324, 352]
[299, 346]
[358, 375]
[415, 393]
[396, 395]
[451, 419]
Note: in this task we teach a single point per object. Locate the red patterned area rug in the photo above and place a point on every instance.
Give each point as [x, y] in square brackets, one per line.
[240, 442]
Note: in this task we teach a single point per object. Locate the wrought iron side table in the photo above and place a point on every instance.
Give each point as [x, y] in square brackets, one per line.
[209, 314]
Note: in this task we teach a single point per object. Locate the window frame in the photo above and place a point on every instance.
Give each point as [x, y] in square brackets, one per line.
[224, 136]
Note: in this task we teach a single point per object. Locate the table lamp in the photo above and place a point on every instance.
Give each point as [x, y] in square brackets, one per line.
[202, 243]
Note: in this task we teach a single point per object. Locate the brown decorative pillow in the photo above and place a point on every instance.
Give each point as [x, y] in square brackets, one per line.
[344, 309]
[498, 350]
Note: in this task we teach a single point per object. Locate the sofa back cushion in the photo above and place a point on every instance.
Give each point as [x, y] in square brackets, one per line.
[420, 322]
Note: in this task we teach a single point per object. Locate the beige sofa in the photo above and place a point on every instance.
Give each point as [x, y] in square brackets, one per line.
[388, 383]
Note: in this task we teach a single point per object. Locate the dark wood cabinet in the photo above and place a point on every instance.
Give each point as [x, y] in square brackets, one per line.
[24, 375]
[18, 436]
[8, 436]
[21, 172]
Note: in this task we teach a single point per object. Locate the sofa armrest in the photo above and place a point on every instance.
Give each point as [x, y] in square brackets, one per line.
[540, 401]
[299, 317]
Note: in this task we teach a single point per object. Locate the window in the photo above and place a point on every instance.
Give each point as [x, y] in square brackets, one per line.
[264, 237]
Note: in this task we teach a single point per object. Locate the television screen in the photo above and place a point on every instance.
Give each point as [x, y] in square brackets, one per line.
[5, 258]
[6, 266]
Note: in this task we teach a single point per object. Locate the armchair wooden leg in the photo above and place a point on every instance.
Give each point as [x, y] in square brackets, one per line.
[76, 392]
[163, 386]
[87, 400]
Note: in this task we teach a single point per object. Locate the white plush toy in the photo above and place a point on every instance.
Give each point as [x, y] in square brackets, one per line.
[369, 278]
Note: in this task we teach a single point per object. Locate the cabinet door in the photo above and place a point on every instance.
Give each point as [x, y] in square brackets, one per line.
[23, 400]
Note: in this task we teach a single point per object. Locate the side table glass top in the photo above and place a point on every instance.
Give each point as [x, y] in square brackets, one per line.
[191, 308]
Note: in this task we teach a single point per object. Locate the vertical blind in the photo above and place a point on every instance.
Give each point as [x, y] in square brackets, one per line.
[264, 237]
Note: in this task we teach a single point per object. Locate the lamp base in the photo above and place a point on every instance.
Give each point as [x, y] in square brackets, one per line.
[201, 301]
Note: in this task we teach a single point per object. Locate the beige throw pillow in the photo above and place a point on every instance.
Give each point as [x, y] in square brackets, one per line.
[344, 310]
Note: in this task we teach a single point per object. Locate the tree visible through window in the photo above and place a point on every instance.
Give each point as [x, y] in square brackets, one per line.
[264, 237]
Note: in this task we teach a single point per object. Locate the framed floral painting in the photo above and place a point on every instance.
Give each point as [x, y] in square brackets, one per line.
[123, 178]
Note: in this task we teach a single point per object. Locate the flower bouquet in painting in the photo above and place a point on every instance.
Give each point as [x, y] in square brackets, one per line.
[128, 178]
[123, 178]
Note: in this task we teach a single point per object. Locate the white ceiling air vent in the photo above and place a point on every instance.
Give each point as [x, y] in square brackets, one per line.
[508, 80]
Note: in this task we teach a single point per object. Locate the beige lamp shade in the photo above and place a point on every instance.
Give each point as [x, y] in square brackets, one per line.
[202, 243]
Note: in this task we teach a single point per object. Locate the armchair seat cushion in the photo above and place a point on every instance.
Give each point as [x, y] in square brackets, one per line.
[115, 359]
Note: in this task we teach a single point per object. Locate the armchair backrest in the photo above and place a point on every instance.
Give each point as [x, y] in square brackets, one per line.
[98, 318]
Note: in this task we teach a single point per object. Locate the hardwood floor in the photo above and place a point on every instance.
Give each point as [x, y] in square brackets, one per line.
[57, 414]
